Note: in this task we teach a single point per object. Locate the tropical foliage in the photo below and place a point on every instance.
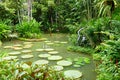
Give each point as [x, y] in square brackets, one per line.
[98, 21]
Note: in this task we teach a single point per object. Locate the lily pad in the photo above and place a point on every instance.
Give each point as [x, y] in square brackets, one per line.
[27, 43]
[72, 74]
[25, 66]
[53, 52]
[17, 48]
[49, 49]
[7, 47]
[27, 56]
[10, 57]
[39, 49]
[57, 41]
[63, 42]
[17, 45]
[64, 63]
[58, 68]
[26, 51]
[14, 53]
[41, 62]
[49, 43]
[54, 57]
[44, 55]
[28, 46]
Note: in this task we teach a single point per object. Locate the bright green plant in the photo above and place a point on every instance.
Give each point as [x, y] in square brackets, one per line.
[80, 49]
[14, 70]
[109, 68]
[29, 29]
[4, 31]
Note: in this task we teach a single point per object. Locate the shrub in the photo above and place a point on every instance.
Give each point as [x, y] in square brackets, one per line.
[4, 31]
[29, 29]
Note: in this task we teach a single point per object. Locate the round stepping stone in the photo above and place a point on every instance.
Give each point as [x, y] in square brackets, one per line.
[57, 41]
[27, 43]
[10, 57]
[49, 43]
[17, 48]
[39, 49]
[26, 51]
[28, 46]
[27, 56]
[63, 42]
[17, 45]
[64, 63]
[7, 47]
[14, 53]
[53, 52]
[72, 74]
[58, 68]
[49, 49]
[41, 62]
[44, 55]
[54, 58]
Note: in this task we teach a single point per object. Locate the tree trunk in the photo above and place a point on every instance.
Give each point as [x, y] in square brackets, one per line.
[29, 10]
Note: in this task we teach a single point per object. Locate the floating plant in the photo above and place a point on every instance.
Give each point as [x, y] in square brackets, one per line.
[39, 49]
[50, 43]
[27, 46]
[57, 41]
[25, 66]
[44, 55]
[54, 57]
[53, 52]
[26, 51]
[47, 41]
[7, 47]
[10, 57]
[41, 62]
[27, 43]
[58, 68]
[49, 49]
[64, 63]
[80, 61]
[17, 45]
[14, 53]
[27, 56]
[17, 48]
[63, 42]
[72, 74]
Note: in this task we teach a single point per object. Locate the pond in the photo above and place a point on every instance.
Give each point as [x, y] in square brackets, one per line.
[59, 43]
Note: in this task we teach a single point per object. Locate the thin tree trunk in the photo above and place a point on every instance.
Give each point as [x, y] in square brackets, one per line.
[29, 10]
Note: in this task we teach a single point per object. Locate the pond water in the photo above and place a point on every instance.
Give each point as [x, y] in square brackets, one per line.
[88, 70]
